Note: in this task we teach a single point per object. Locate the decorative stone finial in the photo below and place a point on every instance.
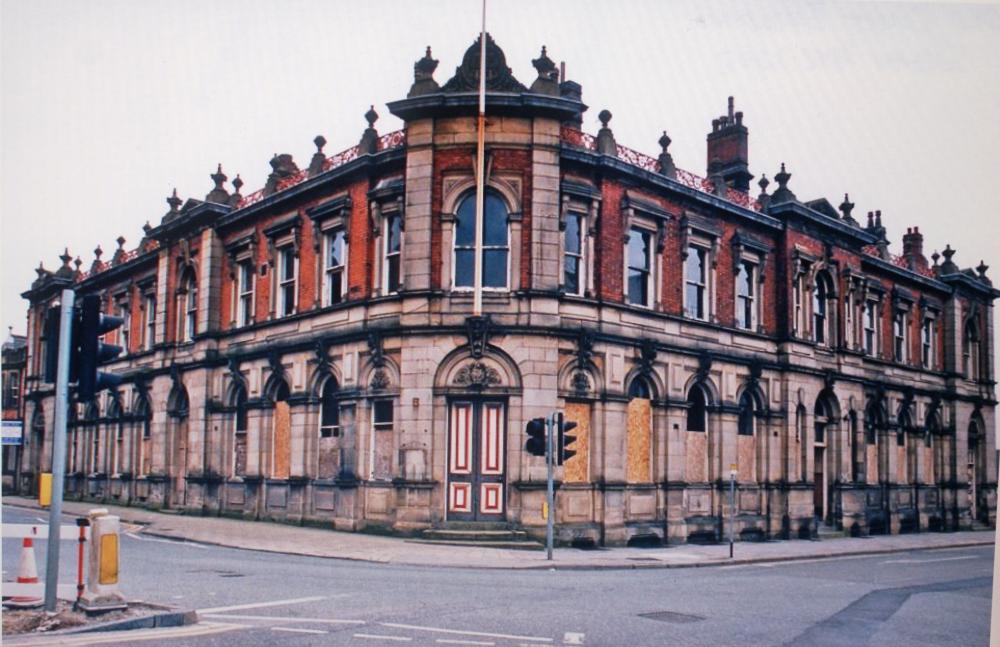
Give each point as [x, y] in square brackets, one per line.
[423, 76]
[318, 160]
[782, 193]
[934, 257]
[121, 242]
[845, 209]
[548, 75]
[981, 270]
[65, 271]
[65, 257]
[948, 266]
[666, 159]
[97, 253]
[218, 194]
[606, 144]
[238, 183]
[40, 270]
[763, 198]
[147, 228]
[369, 139]
[282, 167]
[175, 206]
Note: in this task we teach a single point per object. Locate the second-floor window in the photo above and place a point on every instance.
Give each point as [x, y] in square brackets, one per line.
[286, 281]
[334, 262]
[149, 322]
[696, 283]
[871, 328]
[573, 254]
[11, 389]
[393, 246]
[188, 307]
[821, 304]
[496, 243]
[245, 288]
[899, 336]
[639, 267]
[746, 296]
[927, 343]
[970, 351]
[125, 312]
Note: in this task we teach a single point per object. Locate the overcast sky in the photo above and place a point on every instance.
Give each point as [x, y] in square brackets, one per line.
[107, 106]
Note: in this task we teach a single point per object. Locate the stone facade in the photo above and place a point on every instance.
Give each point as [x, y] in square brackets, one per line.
[309, 353]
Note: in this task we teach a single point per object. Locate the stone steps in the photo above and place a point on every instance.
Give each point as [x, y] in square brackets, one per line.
[487, 535]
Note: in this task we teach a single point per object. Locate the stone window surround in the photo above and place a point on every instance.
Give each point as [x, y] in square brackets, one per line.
[650, 217]
[187, 273]
[384, 203]
[585, 202]
[931, 312]
[240, 251]
[698, 232]
[854, 310]
[284, 234]
[327, 217]
[147, 291]
[122, 300]
[455, 187]
[902, 304]
[746, 249]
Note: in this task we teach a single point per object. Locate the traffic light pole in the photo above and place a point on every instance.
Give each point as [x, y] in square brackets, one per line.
[59, 449]
[550, 459]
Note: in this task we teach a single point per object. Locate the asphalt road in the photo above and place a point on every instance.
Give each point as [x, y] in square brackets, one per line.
[939, 597]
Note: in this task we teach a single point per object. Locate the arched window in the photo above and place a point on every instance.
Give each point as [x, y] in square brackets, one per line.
[329, 425]
[873, 422]
[821, 296]
[747, 416]
[639, 388]
[141, 412]
[970, 351]
[903, 421]
[697, 413]
[178, 404]
[496, 243]
[187, 305]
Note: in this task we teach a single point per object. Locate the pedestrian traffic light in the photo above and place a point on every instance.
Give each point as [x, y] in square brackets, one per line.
[536, 437]
[92, 352]
[564, 440]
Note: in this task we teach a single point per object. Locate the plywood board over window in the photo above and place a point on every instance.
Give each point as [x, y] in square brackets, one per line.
[282, 451]
[694, 456]
[871, 464]
[929, 476]
[577, 468]
[746, 453]
[901, 464]
[638, 440]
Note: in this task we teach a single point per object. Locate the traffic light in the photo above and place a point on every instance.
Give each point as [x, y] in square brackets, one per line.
[91, 351]
[564, 440]
[51, 343]
[536, 437]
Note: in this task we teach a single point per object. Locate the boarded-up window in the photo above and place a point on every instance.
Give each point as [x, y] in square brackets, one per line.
[694, 458]
[329, 432]
[282, 432]
[577, 468]
[382, 426]
[638, 440]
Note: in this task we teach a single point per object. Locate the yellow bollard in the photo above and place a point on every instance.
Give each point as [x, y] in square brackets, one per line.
[102, 592]
[45, 489]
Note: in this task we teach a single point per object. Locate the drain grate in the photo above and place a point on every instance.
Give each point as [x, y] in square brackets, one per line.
[672, 616]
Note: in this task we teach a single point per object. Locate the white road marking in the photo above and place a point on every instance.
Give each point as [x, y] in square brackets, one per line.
[378, 637]
[467, 633]
[570, 638]
[175, 542]
[928, 561]
[332, 621]
[449, 641]
[257, 605]
[299, 631]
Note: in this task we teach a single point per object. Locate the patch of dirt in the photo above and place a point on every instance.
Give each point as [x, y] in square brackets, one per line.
[27, 621]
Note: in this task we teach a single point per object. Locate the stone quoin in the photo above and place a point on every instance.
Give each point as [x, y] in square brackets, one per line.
[308, 352]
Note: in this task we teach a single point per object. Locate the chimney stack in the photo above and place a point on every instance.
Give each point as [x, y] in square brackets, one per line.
[727, 150]
[913, 249]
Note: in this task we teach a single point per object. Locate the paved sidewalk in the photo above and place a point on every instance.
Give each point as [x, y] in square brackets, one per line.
[294, 540]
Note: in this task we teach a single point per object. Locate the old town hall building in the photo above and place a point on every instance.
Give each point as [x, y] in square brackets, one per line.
[308, 352]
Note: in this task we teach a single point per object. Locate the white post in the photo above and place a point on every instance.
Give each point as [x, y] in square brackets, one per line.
[477, 280]
[59, 448]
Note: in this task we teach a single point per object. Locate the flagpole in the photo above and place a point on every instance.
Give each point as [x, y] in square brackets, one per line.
[477, 303]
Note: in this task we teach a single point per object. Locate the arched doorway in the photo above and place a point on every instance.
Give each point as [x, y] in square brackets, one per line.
[178, 408]
[826, 419]
[976, 469]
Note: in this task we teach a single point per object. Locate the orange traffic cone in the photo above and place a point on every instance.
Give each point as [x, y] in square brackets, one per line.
[27, 573]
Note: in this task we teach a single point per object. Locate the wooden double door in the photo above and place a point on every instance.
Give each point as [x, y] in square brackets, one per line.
[477, 445]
